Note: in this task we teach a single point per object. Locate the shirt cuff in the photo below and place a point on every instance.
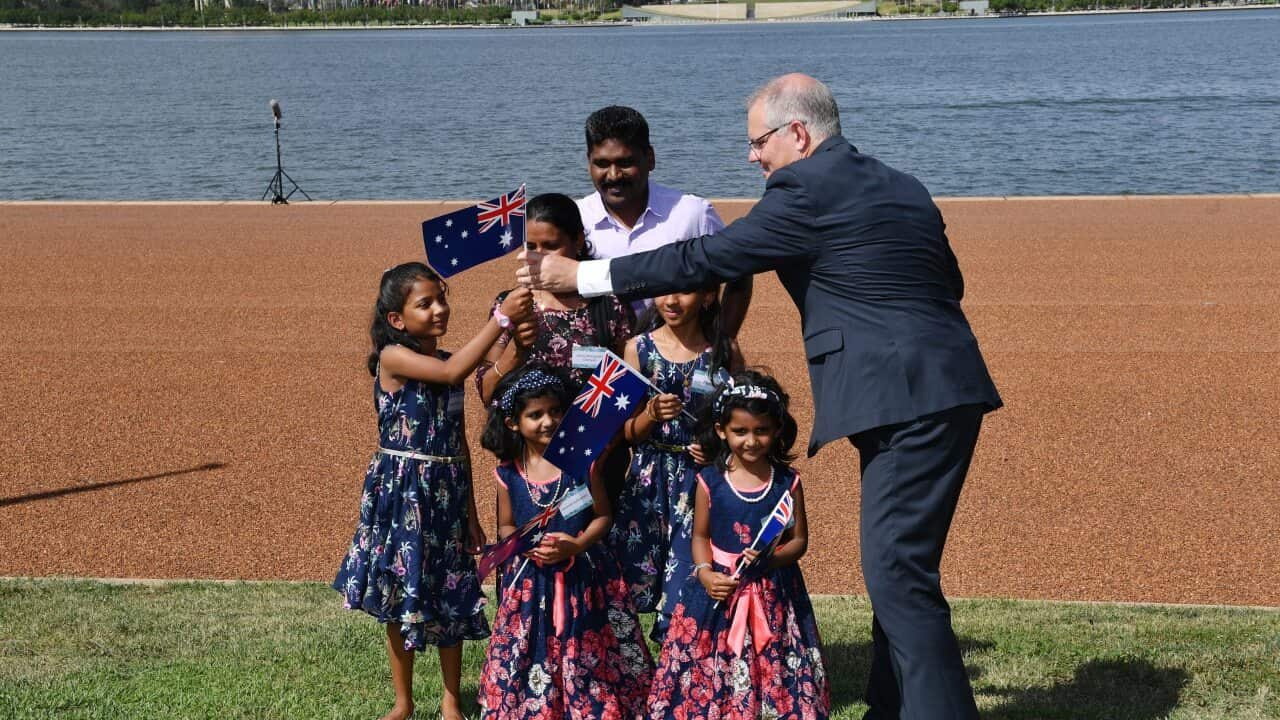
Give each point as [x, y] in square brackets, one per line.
[594, 278]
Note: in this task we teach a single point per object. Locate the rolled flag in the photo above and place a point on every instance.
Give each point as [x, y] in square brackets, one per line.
[778, 521]
[466, 238]
[517, 543]
[606, 400]
[530, 534]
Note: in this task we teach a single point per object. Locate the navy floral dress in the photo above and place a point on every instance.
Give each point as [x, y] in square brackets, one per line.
[407, 562]
[756, 655]
[560, 330]
[653, 519]
[566, 640]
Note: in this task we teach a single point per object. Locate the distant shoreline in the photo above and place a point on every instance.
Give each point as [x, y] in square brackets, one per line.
[617, 23]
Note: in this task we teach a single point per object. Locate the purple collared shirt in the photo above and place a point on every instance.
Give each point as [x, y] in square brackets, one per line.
[671, 216]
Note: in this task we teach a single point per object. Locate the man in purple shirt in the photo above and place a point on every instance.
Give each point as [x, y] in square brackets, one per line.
[630, 213]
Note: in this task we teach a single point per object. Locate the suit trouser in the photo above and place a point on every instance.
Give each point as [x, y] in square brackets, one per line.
[911, 479]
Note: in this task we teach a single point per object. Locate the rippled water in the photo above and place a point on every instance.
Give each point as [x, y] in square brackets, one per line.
[1156, 103]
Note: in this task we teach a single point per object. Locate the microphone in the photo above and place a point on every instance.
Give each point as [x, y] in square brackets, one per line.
[275, 110]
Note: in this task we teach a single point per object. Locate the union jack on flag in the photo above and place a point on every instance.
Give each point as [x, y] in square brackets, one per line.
[517, 543]
[778, 521]
[607, 399]
[600, 385]
[473, 235]
[500, 210]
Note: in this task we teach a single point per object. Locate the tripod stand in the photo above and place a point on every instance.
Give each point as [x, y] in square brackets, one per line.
[275, 188]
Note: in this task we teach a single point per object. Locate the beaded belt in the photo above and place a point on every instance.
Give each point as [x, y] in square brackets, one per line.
[443, 459]
[670, 448]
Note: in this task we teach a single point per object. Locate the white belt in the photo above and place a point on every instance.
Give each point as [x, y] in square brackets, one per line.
[443, 459]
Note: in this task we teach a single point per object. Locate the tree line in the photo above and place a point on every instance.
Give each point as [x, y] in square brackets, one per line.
[215, 13]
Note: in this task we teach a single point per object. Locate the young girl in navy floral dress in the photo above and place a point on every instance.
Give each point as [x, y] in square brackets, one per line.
[408, 564]
[684, 354]
[566, 641]
[747, 647]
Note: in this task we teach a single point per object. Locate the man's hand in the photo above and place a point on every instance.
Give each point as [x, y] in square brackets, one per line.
[554, 273]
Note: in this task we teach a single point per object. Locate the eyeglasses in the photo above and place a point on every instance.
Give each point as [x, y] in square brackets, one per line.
[757, 144]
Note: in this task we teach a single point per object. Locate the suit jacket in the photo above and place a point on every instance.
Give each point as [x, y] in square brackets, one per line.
[862, 251]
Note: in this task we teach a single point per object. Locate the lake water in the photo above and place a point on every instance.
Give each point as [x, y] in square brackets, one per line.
[1155, 103]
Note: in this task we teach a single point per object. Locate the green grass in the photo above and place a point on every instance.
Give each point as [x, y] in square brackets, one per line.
[82, 649]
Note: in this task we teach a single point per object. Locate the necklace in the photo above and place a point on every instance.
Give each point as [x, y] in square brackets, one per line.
[758, 498]
[529, 485]
[678, 369]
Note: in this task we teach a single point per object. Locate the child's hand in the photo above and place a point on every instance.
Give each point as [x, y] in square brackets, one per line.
[476, 538]
[695, 452]
[518, 305]
[665, 407]
[749, 556]
[526, 333]
[719, 586]
[555, 547]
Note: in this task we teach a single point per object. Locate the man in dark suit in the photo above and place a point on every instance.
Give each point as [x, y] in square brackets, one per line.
[894, 367]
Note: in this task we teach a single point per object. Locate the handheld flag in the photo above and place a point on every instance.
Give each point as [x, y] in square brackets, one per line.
[606, 400]
[530, 534]
[465, 238]
[778, 521]
[517, 543]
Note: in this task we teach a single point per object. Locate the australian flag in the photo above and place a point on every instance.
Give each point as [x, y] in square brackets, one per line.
[606, 400]
[517, 543]
[465, 238]
[779, 520]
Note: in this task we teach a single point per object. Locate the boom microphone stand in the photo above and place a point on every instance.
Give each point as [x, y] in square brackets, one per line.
[275, 188]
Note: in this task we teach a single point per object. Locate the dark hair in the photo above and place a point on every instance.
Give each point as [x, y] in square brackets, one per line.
[501, 440]
[724, 402]
[393, 291]
[562, 212]
[710, 322]
[618, 123]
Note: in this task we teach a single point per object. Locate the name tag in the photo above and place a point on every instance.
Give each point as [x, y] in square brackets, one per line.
[587, 357]
[577, 500]
[457, 399]
[701, 382]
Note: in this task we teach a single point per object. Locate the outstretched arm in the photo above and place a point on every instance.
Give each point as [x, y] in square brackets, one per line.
[778, 231]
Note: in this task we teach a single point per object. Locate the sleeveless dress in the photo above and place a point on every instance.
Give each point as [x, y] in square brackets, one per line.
[566, 640]
[757, 654]
[652, 520]
[407, 562]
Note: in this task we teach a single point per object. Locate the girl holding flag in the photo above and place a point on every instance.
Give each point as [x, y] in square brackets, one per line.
[742, 640]
[566, 640]
[685, 354]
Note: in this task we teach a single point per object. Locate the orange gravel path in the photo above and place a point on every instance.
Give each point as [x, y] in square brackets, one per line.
[184, 395]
